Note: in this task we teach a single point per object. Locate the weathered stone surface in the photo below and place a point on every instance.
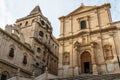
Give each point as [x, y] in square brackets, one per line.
[91, 39]
[23, 51]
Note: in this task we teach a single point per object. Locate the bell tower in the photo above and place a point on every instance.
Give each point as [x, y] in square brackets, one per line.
[31, 25]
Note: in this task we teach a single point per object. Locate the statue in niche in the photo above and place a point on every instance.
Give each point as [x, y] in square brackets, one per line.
[108, 51]
[66, 58]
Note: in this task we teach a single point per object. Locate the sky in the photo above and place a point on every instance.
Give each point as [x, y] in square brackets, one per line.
[10, 10]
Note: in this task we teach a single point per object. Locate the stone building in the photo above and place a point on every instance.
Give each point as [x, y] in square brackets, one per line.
[89, 42]
[28, 46]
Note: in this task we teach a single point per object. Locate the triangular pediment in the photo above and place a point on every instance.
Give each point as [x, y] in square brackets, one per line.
[82, 9]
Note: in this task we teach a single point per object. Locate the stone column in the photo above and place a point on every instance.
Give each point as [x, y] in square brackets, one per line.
[76, 63]
[94, 65]
[46, 74]
[33, 75]
[80, 69]
[117, 58]
[18, 74]
[60, 64]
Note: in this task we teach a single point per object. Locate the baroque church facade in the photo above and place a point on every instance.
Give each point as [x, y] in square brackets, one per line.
[89, 42]
[28, 47]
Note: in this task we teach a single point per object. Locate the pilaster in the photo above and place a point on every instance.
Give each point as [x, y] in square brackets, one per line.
[94, 65]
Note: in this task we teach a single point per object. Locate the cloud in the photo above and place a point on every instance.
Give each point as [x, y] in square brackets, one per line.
[52, 9]
[6, 16]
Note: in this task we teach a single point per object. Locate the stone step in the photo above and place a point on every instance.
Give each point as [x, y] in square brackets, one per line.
[92, 77]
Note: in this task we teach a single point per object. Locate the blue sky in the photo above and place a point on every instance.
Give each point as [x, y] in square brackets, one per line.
[10, 10]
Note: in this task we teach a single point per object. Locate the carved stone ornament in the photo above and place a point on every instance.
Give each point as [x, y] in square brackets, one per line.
[66, 58]
[77, 44]
[94, 44]
[108, 52]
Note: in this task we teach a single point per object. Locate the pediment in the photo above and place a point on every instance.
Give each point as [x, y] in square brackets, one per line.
[82, 9]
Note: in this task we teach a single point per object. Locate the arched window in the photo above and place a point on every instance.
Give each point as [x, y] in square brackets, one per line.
[38, 50]
[42, 22]
[83, 24]
[26, 24]
[46, 36]
[25, 59]
[33, 20]
[47, 27]
[4, 75]
[41, 33]
[11, 52]
[20, 24]
[37, 64]
[55, 47]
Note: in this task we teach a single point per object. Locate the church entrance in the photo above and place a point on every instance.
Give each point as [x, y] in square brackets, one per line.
[86, 62]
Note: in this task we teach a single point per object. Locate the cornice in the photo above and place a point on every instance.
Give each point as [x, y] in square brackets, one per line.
[15, 66]
[91, 32]
[27, 17]
[33, 16]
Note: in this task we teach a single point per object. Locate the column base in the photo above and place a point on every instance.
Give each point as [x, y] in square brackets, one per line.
[76, 71]
[94, 69]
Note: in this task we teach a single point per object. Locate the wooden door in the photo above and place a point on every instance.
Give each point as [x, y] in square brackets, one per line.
[86, 62]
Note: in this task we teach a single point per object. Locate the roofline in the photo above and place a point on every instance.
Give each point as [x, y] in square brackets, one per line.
[95, 7]
[4, 32]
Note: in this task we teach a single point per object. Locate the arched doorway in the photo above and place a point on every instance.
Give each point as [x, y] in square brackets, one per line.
[86, 62]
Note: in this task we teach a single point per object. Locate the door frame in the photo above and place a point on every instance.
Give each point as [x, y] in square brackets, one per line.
[83, 60]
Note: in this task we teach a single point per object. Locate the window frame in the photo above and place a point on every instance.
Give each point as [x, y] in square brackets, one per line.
[41, 33]
[39, 49]
[83, 24]
[11, 52]
[42, 22]
[25, 60]
[84, 18]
